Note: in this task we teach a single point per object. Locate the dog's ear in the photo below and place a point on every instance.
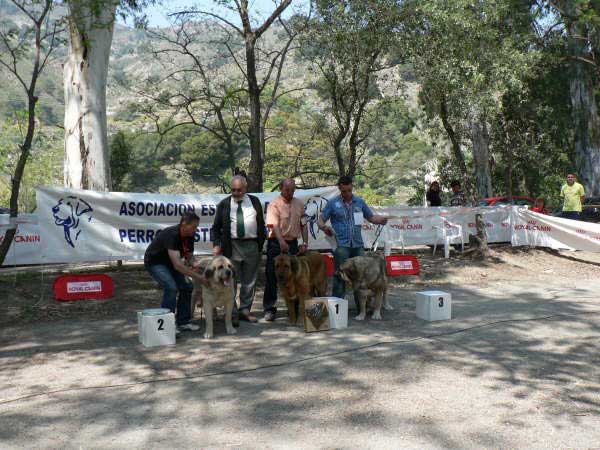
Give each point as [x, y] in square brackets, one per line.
[208, 273]
[295, 264]
[82, 207]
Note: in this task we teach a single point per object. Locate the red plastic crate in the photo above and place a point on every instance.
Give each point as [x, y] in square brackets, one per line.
[83, 287]
[402, 265]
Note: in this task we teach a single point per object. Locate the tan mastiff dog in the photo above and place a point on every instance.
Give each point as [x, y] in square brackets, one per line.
[367, 276]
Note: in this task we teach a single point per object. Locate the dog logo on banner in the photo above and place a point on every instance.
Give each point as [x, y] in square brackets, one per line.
[312, 211]
[68, 213]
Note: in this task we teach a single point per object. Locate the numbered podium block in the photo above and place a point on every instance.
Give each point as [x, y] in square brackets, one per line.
[434, 305]
[156, 327]
[338, 311]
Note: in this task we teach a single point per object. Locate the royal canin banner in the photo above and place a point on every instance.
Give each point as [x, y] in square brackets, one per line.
[73, 226]
[539, 230]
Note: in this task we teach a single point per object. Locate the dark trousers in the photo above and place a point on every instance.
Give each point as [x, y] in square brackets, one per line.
[573, 215]
[177, 291]
[340, 255]
[270, 295]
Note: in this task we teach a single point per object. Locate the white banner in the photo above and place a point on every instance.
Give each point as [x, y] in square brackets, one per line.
[540, 230]
[27, 246]
[86, 226]
[79, 225]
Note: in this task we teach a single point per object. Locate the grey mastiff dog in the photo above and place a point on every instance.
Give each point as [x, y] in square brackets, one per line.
[367, 276]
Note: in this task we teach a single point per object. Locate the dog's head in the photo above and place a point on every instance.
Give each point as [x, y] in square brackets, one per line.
[285, 267]
[67, 212]
[220, 270]
[349, 272]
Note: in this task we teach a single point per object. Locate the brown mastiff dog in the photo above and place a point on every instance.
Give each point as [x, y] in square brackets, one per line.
[300, 278]
[368, 277]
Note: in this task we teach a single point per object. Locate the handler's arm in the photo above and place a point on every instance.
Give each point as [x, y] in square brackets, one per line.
[326, 229]
[282, 244]
[182, 268]
[377, 219]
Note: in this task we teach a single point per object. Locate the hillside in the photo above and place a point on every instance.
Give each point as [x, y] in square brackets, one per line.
[188, 158]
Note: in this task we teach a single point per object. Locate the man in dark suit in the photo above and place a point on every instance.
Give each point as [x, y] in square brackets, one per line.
[239, 233]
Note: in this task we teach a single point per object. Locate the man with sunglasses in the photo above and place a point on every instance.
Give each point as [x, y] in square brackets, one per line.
[238, 233]
[284, 221]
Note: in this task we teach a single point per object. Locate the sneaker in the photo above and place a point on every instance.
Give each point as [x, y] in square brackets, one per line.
[269, 316]
[189, 327]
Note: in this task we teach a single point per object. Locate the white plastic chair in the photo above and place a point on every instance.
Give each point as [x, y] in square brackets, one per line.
[391, 235]
[446, 233]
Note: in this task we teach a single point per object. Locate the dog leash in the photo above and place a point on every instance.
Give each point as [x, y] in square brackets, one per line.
[378, 231]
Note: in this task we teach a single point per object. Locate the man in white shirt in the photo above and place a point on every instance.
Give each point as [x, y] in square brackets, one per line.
[239, 233]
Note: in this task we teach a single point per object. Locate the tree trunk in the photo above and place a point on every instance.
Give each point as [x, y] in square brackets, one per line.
[586, 122]
[456, 150]
[255, 169]
[85, 72]
[481, 157]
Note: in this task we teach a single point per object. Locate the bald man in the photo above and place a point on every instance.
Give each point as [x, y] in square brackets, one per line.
[238, 233]
[285, 227]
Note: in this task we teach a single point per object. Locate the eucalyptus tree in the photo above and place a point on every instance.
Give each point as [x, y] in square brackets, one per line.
[578, 24]
[34, 43]
[90, 27]
[467, 54]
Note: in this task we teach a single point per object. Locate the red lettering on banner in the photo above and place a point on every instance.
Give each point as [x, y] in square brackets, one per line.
[474, 225]
[28, 238]
[533, 227]
[505, 224]
[531, 222]
[580, 231]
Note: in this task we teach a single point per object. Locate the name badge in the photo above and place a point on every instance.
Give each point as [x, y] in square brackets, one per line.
[358, 218]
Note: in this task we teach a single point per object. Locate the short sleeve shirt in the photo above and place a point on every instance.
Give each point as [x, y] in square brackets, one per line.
[343, 217]
[572, 196]
[168, 239]
[286, 216]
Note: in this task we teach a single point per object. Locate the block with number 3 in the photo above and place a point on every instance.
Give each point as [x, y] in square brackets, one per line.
[434, 305]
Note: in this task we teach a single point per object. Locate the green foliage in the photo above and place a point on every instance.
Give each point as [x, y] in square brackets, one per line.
[44, 166]
[120, 158]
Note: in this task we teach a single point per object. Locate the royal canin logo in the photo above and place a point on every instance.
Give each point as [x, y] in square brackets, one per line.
[531, 222]
[408, 226]
[580, 231]
[505, 224]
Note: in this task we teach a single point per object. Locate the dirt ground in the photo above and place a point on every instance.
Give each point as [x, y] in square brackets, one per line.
[517, 366]
[28, 294]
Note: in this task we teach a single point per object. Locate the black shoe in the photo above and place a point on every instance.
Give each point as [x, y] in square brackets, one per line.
[248, 318]
[269, 316]
[235, 321]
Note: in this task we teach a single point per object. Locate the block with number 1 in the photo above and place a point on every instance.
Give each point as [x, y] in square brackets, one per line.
[434, 305]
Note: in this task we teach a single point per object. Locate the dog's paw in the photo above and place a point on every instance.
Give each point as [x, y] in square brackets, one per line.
[360, 317]
[231, 331]
[388, 307]
[376, 315]
[208, 335]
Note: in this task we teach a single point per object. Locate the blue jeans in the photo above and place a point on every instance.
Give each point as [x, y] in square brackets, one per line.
[174, 282]
[573, 215]
[340, 255]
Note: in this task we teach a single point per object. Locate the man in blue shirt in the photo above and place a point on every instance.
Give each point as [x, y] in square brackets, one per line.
[346, 213]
